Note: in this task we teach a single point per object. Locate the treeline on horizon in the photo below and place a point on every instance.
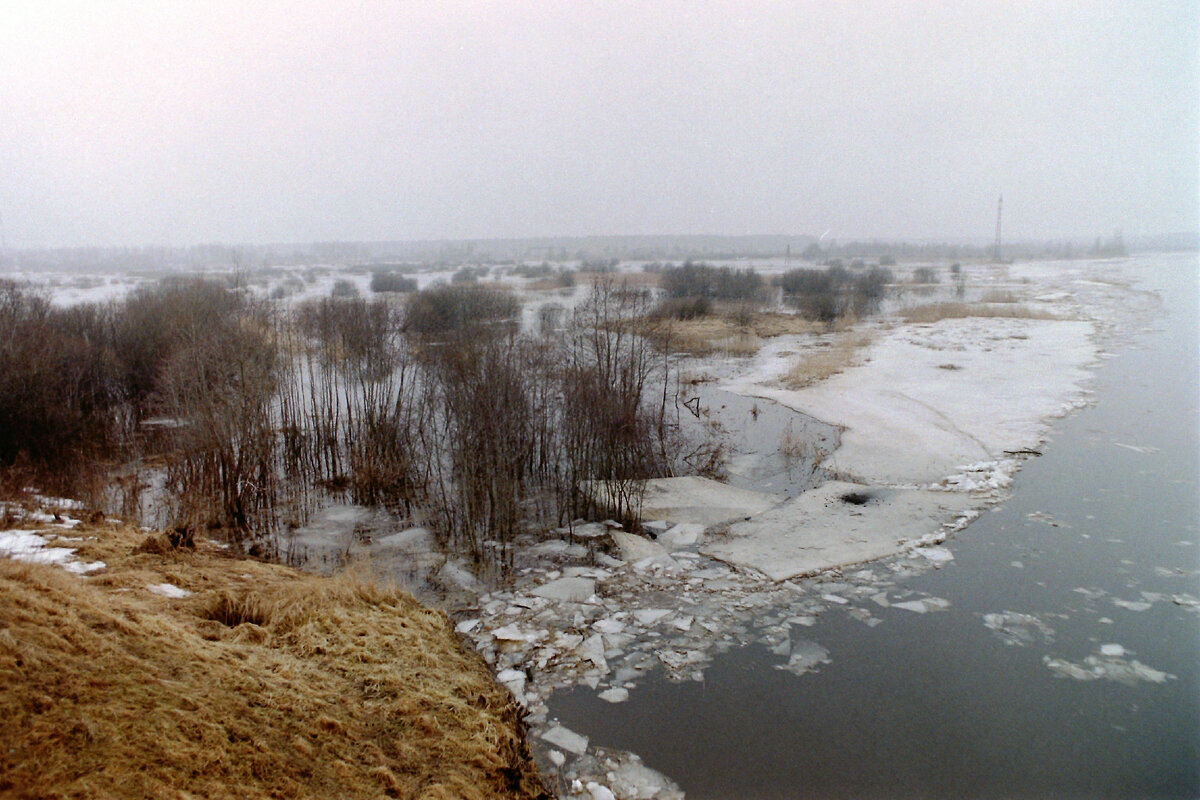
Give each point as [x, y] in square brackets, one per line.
[562, 250]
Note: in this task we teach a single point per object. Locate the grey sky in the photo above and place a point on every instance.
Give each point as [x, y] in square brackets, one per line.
[163, 122]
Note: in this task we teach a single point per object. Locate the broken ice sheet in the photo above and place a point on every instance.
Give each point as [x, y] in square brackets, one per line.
[805, 656]
[566, 739]
[615, 695]
[1132, 605]
[936, 554]
[924, 605]
[1014, 628]
[1109, 665]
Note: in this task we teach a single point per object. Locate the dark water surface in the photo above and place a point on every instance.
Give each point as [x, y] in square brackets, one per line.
[938, 705]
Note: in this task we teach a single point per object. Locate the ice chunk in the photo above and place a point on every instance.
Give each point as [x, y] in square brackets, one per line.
[567, 739]
[1132, 605]
[1112, 650]
[598, 792]
[512, 633]
[1112, 668]
[457, 574]
[567, 590]
[609, 625]
[592, 649]
[833, 598]
[636, 548]
[912, 605]
[938, 555]
[1015, 628]
[684, 623]
[590, 530]
[514, 679]
[806, 655]
[686, 534]
[168, 590]
[630, 778]
[615, 695]
[557, 758]
[467, 625]
[649, 616]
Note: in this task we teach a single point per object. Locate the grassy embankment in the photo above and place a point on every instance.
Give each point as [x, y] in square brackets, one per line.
[263, 682]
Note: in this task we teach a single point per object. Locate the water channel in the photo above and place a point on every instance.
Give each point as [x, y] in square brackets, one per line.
[1068, 663]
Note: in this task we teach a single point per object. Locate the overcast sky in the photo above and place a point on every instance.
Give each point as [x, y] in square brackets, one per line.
[176, 123]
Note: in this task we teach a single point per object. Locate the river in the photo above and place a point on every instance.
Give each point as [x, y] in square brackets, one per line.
[1067, 664]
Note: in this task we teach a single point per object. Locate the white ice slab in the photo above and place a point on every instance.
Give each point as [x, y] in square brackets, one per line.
[819, 530]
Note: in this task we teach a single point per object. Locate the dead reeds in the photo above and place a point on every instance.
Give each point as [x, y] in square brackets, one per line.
[834, 354]
[934, 312]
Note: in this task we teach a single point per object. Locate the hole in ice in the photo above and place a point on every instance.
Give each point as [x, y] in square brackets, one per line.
[856, 498]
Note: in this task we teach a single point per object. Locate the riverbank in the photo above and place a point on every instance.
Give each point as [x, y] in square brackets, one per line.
[935, 418]
[131, 667]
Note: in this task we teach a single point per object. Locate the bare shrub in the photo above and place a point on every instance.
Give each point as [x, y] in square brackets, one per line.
[442, 311]
[826, 295]
[925, 275]
[704, 280]
[392, 282]
[682, 308]
[221, 384]
[344, 288]
[59, 390]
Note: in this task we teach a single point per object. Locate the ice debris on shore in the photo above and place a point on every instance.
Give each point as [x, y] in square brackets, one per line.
[573, 618]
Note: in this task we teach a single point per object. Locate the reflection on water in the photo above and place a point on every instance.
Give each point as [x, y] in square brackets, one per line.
[1066, 665]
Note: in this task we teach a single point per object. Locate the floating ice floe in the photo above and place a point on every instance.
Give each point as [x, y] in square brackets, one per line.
[1015, 628]
[1107, 666]
[615, 695]
[805, 656]
[924, 605]
[1132, 605]
[566, 739]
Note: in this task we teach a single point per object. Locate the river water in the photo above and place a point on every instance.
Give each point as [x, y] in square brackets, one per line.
[1068, 662]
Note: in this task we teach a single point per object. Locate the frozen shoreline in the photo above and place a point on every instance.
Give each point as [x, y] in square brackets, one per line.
[924, 448]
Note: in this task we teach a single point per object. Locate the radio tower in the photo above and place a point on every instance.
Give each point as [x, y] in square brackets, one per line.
[996, 247]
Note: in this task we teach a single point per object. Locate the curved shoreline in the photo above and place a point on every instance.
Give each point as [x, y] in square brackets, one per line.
[704, 587]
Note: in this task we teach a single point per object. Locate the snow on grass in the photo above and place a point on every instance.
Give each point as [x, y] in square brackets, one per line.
[168, 590]
[34, 548]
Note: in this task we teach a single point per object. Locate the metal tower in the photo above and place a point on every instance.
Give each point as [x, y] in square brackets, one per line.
[996, 247]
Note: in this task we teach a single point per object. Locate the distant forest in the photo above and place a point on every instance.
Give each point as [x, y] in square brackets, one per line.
[567, 249]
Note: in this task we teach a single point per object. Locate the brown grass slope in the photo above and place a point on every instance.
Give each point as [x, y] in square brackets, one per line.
[264, 683]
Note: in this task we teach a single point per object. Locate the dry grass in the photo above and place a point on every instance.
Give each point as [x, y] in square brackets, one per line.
[998, 296]
[811, 367]
[264, 683]
[721, 333]
[631, 280]
[934, 312]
